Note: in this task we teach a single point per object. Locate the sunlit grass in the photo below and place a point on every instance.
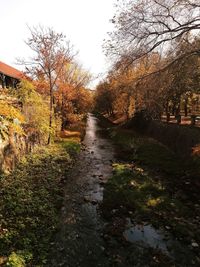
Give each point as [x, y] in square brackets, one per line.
[153, 202]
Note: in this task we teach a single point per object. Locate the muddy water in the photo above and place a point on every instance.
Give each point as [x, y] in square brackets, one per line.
[79, 242]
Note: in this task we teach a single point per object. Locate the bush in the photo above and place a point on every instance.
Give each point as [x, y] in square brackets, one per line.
[140, 121]
[15, 260]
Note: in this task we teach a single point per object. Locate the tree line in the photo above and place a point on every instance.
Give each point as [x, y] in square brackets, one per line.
[155, 50]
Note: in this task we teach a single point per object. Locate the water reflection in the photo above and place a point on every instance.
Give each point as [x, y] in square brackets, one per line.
[99, 147]
[147, 235]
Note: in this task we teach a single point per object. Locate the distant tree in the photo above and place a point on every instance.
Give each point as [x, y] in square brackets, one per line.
[105, 97]
[70, 95]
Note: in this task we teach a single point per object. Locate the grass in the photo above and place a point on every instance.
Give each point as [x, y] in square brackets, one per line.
[72, 146]
[30, 203]
[148, 198]
[151, 184]
[152, 154]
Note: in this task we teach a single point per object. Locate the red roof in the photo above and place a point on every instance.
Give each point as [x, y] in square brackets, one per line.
[10, 71]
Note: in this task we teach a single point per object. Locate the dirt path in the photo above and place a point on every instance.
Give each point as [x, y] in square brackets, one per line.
[79, 242]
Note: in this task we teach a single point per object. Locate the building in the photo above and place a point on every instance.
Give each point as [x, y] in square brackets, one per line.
[9, 76]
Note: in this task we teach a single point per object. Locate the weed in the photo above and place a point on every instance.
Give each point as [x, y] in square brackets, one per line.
[31, 198]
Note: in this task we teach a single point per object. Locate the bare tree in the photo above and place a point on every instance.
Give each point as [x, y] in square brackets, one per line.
[51, 52]
[145, 26]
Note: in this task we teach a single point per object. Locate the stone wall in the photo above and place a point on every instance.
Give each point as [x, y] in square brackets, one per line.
[12, 151]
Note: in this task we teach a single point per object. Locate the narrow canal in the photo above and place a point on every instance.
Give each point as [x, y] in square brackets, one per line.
[79, 242]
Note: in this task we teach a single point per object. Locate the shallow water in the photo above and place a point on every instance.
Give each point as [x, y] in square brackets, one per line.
[146, 235]
[79, 241]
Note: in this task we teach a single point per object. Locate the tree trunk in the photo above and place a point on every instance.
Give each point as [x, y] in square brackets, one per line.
[186, 107]
[51, 111]
[128, 106]
[178, 115]
[193, 120]
[174, 108]
[62, 114]
[167, 112]
[168, 117]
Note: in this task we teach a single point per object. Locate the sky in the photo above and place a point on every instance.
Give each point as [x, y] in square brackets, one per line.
[84, 22]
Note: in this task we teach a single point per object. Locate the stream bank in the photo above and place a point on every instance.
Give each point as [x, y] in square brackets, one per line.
[151, 203]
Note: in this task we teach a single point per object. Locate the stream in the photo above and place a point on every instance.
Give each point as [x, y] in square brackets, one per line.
[79, 241]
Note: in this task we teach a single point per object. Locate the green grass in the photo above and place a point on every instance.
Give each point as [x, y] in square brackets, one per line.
[150, 184]
[30, 203]
[152, 154]
[133, 189]
[71, 146]
[158, 157]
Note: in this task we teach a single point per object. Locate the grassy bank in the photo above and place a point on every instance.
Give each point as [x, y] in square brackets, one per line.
[151, 185]
[30, 201]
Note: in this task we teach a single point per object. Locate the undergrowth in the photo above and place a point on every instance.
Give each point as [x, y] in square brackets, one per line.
[30, 202]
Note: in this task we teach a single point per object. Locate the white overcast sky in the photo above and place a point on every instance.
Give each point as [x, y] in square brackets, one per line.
[84, 22]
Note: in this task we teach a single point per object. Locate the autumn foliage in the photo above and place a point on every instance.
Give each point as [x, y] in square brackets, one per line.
[155, 49]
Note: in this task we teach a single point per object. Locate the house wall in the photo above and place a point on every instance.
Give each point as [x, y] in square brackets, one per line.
[7, 81]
